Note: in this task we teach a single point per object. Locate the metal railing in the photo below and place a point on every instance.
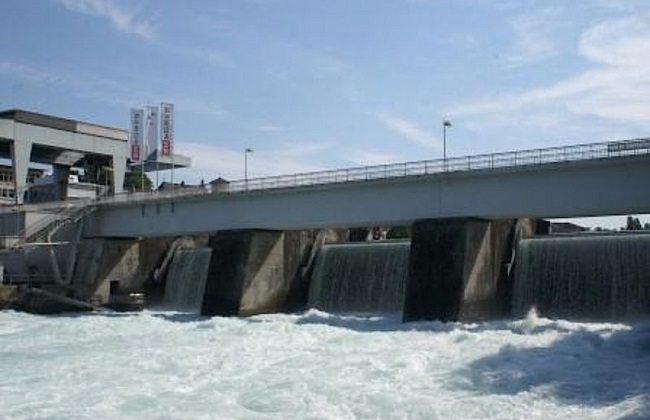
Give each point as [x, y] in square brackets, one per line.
[516, 159]
[582, 152]
[460, 164]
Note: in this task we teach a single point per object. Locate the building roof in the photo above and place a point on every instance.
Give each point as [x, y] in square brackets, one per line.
[219, 181]
[64, 124]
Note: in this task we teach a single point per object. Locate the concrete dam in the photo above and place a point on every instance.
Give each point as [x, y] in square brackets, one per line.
[284, 245]
[449, 269]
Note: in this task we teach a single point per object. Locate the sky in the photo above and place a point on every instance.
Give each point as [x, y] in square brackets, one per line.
[325, 84]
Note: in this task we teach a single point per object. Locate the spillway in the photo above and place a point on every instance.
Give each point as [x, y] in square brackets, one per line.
[186, 279]
[584, 276]
[364, 277]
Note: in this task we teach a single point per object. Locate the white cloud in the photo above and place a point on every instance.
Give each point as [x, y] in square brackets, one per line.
[208, 55]
[21, 71]
[89, 87]
[408, 130]
[269, 128]
[103, 90]
[367, 158]
[616, 88]
[124, 20]
[620, 42]
[210, 162]
[534, 37]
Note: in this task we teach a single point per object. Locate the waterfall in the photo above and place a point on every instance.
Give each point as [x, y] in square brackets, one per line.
[586, 276]
[186, 279]
[362, 277]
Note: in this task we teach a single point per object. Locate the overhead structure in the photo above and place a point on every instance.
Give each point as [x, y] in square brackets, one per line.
[38, 138]
[155, 161]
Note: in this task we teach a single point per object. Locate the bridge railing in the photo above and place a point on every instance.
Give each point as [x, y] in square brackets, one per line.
[583, 152]
[466, 163]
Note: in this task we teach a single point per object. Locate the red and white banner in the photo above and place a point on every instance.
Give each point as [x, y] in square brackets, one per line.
[137, 125]
[152, 129]
[135, 153]
[167, 128]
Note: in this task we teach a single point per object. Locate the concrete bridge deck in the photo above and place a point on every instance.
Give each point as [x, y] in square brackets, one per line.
[575, 181]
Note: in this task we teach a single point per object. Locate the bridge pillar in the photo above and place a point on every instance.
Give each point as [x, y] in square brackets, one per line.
[257, 271]
[458, 270]
[119, 169]
[246, 273]
[21, 151]
[60, 175]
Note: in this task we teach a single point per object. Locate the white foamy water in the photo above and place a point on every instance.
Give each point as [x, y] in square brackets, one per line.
[162, 365]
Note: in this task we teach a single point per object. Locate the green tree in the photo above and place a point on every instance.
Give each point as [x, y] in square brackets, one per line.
[134, 181]
[399, 232]
[633, 223]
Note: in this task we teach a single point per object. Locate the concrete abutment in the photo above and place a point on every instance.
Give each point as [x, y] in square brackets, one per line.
[460, 269]
[257, 271]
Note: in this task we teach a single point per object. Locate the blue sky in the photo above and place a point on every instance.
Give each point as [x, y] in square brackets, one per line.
[323, 84]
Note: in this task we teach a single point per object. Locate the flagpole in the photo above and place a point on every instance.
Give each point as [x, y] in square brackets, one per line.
[145, 137]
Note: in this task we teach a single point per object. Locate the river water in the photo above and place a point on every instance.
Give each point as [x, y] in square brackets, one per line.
[170, 365]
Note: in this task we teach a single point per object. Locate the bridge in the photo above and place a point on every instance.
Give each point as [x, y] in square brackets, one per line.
[608, 178]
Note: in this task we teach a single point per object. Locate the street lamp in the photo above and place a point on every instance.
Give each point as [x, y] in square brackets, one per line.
[445, 124]
[246, 152]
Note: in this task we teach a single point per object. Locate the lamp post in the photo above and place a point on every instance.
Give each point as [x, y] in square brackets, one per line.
[246, 152]
[445, 124]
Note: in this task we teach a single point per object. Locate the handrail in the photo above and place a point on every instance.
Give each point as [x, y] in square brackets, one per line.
[521, 158]
[491, 161]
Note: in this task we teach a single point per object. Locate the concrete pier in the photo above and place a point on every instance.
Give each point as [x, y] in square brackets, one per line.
[458, 270]
[259, 271]
[246, 273]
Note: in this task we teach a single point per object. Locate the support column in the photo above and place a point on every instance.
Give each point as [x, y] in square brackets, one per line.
[60, 175]
[457, 270]
[21, 151]
[119, 168]
[246, 274]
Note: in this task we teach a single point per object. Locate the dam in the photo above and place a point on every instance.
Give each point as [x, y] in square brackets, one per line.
[283, 243]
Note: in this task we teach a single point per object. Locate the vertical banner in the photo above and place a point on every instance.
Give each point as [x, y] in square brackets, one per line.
[167, 128]
[137, 117]
[152, 129]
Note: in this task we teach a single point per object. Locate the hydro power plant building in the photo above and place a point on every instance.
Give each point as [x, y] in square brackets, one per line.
[86, 159]
[28, 137]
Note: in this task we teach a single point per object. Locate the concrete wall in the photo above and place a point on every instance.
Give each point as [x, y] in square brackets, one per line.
[298, 249]
[458, 270]
[246, 269]
[258, 271]
[129, 262]
[9, 297]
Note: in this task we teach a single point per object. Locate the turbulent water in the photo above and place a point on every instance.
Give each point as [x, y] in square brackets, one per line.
[360, 277]
[186, 279]
[588, 276]
[166, 365]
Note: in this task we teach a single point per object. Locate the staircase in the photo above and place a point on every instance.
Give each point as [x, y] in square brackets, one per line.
[43, 230]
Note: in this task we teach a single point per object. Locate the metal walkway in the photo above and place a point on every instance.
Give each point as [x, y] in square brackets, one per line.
[575, 181]
[515, 159]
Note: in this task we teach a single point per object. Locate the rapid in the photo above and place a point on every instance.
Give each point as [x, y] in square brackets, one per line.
[316, 365]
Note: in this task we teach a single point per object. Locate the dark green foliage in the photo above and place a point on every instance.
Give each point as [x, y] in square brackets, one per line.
[134, 181]
[633, 223]
[399, 232]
